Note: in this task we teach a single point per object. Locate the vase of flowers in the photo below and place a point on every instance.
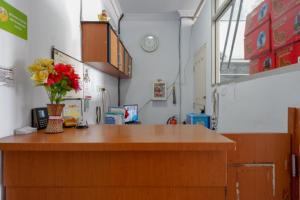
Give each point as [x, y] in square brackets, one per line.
[57, 80]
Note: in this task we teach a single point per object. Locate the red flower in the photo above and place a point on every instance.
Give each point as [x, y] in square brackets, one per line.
[54, 78]
[61, 68]
[62, 71]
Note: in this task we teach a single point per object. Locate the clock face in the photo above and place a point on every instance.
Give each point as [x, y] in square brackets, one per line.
[150, 43]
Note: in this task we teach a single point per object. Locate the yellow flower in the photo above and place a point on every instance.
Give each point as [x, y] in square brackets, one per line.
[40, 77]
[42, 64]
[45, 62]
[35, 68]
[40, 70]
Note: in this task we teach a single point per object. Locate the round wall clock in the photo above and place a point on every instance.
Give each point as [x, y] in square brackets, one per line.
[150, 43]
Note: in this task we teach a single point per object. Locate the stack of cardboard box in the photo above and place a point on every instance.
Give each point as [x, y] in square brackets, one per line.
[258, 39]
[272, 35]
[286, 31]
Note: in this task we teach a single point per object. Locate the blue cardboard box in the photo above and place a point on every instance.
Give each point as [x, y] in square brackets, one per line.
[196, 119]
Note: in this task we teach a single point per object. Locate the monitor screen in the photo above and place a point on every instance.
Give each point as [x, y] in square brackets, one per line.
[131, 113]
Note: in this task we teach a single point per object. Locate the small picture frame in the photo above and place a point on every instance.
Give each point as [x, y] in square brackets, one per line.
[159, 90]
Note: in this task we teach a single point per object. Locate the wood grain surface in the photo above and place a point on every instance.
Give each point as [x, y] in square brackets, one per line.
[122, 138]
[294, 131]
[117, 162]
[115, 193]
[94, 42]
[101, 169]
[113, 48]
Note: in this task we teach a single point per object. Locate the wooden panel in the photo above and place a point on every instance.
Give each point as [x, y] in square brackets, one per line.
[121, 57]
[113, 48]
[249, 182]
[94, 42]
[95, 169]
[115, 193]
[255, 183]
[231, 183]
[262, 149]
[126, 67]
[259, 148]
[108, 69]
[122, 138]
[130, 67]
[294, 131]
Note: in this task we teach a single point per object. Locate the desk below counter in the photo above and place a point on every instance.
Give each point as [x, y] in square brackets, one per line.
[117, 162]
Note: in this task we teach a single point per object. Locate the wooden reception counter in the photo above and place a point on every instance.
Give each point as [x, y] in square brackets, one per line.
[117, 163]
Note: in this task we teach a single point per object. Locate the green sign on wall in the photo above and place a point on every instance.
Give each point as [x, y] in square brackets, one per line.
[13, 20]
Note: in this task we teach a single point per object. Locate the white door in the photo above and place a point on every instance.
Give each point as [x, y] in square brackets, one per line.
[200, 79]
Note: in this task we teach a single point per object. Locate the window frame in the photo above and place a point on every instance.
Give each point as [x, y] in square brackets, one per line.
[217, 13]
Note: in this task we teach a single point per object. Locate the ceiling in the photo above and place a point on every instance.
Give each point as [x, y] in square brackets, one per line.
[157, 6]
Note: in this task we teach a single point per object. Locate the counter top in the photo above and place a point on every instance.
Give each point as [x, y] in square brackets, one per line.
[122, 138]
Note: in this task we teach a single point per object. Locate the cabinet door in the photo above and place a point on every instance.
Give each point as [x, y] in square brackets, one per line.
[113, 54]
[121, 57]
[94, 42]
[251, 182]
[126, 63]
[130, 67]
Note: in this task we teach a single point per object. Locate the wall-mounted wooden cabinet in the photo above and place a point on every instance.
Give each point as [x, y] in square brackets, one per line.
[103, 50]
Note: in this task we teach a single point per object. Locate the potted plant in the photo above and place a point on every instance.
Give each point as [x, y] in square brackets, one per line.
[57, 80]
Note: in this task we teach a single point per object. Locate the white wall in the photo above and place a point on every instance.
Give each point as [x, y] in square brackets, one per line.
[201, 35]
[14, 101]
[114, 10]
[101, 80]
[259, 105]
[51, 22]
[147, 67]
[161, 64]
[92, 8]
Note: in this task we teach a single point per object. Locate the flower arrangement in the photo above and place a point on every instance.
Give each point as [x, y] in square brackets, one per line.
[57, 79]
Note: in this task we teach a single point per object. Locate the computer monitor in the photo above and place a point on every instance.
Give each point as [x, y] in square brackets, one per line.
[132, 111]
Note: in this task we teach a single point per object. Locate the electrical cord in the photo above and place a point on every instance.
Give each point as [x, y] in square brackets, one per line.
[185, 66]
[149, 101]
[109, 98]
[142, 108]
[179, 59]
[103, 101]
